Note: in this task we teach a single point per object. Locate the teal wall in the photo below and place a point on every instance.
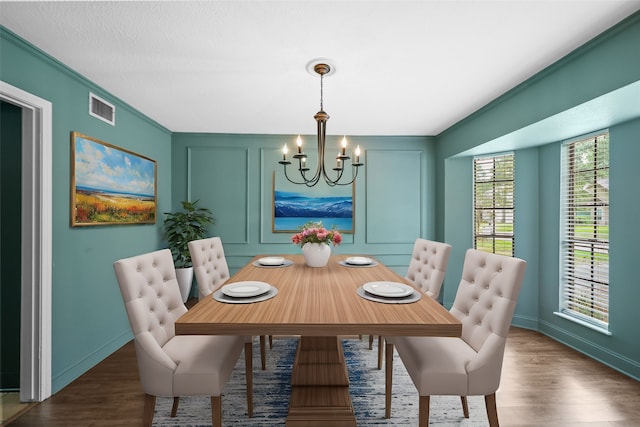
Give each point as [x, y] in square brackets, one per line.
[621, 349]
[458, 183]
[89, 321]
[233, 176]
[569, 99]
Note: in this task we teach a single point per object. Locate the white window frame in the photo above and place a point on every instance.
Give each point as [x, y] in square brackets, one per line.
[592, 279]
[494, 234]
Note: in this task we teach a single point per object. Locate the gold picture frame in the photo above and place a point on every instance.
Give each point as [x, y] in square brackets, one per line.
[110, 185]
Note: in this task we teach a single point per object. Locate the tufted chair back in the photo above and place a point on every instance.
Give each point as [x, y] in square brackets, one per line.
[427, 266]
[484, 303]
[209, 264]
[153, 303]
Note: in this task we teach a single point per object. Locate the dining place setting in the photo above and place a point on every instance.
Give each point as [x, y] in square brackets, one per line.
[388, 292]
[245, 292]
[272, 262]
[358, 262]
[381, 291]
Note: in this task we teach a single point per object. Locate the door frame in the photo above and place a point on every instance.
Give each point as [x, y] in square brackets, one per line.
[36, 257]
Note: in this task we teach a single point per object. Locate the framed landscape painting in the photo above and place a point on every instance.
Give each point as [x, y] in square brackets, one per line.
[295, 205]
[110, 185]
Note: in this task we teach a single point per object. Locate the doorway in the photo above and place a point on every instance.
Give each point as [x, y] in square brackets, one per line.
[10, 245]
[35, 240]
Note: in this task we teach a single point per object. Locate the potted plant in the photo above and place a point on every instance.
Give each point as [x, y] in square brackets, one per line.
[181, 228]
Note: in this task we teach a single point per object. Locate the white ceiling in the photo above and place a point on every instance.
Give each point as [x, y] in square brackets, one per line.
[401, 67]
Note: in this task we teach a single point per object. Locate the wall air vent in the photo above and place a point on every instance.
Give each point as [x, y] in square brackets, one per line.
[101, 109]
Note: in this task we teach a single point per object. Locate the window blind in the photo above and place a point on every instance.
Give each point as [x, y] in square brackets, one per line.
[585, 242]
[493, 194]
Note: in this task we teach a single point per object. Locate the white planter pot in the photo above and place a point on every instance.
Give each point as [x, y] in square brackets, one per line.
[185, 280]
[316, 254]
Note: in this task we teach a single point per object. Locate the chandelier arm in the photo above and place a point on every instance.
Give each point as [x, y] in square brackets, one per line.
[353, 178]
[338, 176]
[309, 182]
[286, 175]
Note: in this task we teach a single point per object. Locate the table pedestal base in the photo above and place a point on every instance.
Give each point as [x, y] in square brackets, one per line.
[320, 385]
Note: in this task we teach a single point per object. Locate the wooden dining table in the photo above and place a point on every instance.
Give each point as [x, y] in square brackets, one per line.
[320, 304]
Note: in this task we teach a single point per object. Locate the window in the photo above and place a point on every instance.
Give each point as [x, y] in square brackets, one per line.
[584, 293]
[493, 185]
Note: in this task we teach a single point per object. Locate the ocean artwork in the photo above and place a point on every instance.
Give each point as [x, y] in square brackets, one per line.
[110, 185]
[291, 210]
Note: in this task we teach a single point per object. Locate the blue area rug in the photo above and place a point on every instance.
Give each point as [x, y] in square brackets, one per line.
[272, 386]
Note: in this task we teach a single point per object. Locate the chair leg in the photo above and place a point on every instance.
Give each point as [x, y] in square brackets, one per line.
[174, 407]
[492, 411]
[370, 342]
[423, 411]
[388, 380]
[248, 363]
[465, 406]
[263, 352]
[216, 411]
[380, 350]
[149, 407]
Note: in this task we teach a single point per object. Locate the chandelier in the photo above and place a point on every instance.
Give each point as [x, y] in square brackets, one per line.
[321, 169]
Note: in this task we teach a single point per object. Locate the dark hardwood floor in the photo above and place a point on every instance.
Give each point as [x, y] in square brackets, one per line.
[543, 383]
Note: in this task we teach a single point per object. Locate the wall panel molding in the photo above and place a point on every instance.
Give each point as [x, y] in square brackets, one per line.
[219, 178]
[395, 196]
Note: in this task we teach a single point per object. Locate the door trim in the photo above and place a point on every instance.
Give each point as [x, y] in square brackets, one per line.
[36, 264]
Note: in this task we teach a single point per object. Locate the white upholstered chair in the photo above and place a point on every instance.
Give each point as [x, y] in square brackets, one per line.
[173, 365]
[427, 266]
[211, 271]
[470, 365]
[426, 270]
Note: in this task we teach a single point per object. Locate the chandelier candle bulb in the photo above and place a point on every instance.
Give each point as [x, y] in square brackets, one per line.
[344, 145]
[299, 144]
[285, 150]
[358, 154]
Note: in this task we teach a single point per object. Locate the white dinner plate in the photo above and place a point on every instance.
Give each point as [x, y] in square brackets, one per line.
[271, 260]
[358, 260]
[384, 300]
[272, 292]
[388, 289]
[245, 289]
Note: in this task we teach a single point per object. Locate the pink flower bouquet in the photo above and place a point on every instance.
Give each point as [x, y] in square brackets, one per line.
[314, 232]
